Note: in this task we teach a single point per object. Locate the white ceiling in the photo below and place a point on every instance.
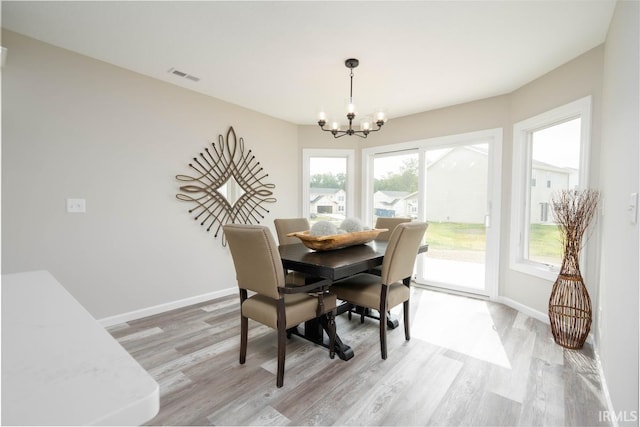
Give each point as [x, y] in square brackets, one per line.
[286, 59]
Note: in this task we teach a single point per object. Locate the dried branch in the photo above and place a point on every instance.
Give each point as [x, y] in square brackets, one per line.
[573, 211]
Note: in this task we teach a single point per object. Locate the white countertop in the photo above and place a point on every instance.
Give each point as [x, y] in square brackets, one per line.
[60, 366]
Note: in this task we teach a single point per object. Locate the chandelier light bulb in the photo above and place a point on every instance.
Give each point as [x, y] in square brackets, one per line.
[365, 124]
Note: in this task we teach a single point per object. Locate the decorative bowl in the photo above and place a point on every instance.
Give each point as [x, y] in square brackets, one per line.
[336, 241]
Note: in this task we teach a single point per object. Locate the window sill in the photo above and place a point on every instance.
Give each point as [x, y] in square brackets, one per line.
[542, 271]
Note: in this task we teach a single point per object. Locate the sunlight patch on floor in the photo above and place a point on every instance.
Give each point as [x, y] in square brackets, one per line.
[459, 273]
[465, 327]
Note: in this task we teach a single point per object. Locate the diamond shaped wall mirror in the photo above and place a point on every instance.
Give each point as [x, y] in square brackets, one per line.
[228, 186]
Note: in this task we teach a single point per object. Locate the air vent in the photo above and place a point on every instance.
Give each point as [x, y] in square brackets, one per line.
[183, 75]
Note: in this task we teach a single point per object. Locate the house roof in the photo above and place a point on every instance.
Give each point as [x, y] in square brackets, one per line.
[536, 164]
[324, 191]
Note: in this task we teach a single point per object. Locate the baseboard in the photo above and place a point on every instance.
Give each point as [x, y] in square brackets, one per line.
[538, 315]
[605, 388]
[161, 308]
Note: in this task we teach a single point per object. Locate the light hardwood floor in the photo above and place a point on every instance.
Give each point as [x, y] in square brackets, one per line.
[469, 363]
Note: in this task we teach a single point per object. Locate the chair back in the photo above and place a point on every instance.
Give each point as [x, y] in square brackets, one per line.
[390, 224]
[285, 226]
[256, 258]
[402, 251]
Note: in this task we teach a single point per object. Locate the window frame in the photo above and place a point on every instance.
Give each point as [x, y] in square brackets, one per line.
[349, 154]
[521, 178]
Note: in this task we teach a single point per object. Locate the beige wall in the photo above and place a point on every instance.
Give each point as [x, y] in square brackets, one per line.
[617, 331]
[73, 127]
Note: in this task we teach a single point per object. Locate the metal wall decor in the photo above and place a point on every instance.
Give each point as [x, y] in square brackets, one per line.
[228, 187]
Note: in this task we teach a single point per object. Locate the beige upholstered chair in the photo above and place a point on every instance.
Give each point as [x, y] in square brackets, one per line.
[259, 269]
[390, 289]
[389, 224]
[285, 226]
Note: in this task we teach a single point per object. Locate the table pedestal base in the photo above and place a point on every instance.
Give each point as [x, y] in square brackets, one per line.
[314, 331]
[392, 320]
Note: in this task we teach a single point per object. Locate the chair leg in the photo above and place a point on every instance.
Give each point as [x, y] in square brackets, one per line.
[244, 332]
[282, 334]
[281, 355]
[383, 322]
[405, 309]
[244, 328]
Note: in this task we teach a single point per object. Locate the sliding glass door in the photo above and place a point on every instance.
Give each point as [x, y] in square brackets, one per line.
[453, 184]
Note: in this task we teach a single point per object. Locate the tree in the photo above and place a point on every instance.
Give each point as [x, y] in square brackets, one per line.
[406, 179]
[328, 180]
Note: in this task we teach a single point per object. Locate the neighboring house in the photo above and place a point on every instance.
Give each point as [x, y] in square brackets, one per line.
[463, 199]
[456, 186]
[545, 180]
[395, 203]
[326, 201]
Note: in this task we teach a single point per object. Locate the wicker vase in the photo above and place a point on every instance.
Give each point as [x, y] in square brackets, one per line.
[570, 311]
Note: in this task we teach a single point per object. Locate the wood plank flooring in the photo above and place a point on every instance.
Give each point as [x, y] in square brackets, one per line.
[469, 363]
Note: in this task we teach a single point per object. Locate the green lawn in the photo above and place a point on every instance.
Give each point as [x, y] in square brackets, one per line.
[544, 239]
[452, 235]
[545, 245]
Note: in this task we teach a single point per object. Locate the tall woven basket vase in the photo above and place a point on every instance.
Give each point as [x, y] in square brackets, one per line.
[570, 311]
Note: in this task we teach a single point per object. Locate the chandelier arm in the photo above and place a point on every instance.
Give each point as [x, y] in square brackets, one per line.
[342, 133]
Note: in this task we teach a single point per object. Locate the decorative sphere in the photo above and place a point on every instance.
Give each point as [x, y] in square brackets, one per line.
[351, 225]
[323, 228]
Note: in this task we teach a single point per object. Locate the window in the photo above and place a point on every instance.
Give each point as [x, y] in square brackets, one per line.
[544, 212]
[552, 146]
[327, 187]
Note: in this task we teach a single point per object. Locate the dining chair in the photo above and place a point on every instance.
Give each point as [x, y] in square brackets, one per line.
[285, 226]
[275, 303]
[392, 286]
[389, 223]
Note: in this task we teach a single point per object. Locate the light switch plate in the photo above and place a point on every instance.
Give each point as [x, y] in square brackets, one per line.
[632, 209]
[76, 206]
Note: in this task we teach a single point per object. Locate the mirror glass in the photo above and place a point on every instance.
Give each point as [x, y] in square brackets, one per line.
[231, 190]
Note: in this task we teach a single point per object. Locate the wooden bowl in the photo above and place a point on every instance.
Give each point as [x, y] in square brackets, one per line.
[336, 241]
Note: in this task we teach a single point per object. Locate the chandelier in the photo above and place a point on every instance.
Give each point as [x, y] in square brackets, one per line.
[366, 124]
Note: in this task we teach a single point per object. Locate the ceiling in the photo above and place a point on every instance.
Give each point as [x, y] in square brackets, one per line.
[286, 59]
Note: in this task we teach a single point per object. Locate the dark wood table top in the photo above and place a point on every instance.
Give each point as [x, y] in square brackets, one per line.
[336, 264]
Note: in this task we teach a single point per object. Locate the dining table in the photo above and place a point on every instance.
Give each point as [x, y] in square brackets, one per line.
[334, 265]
